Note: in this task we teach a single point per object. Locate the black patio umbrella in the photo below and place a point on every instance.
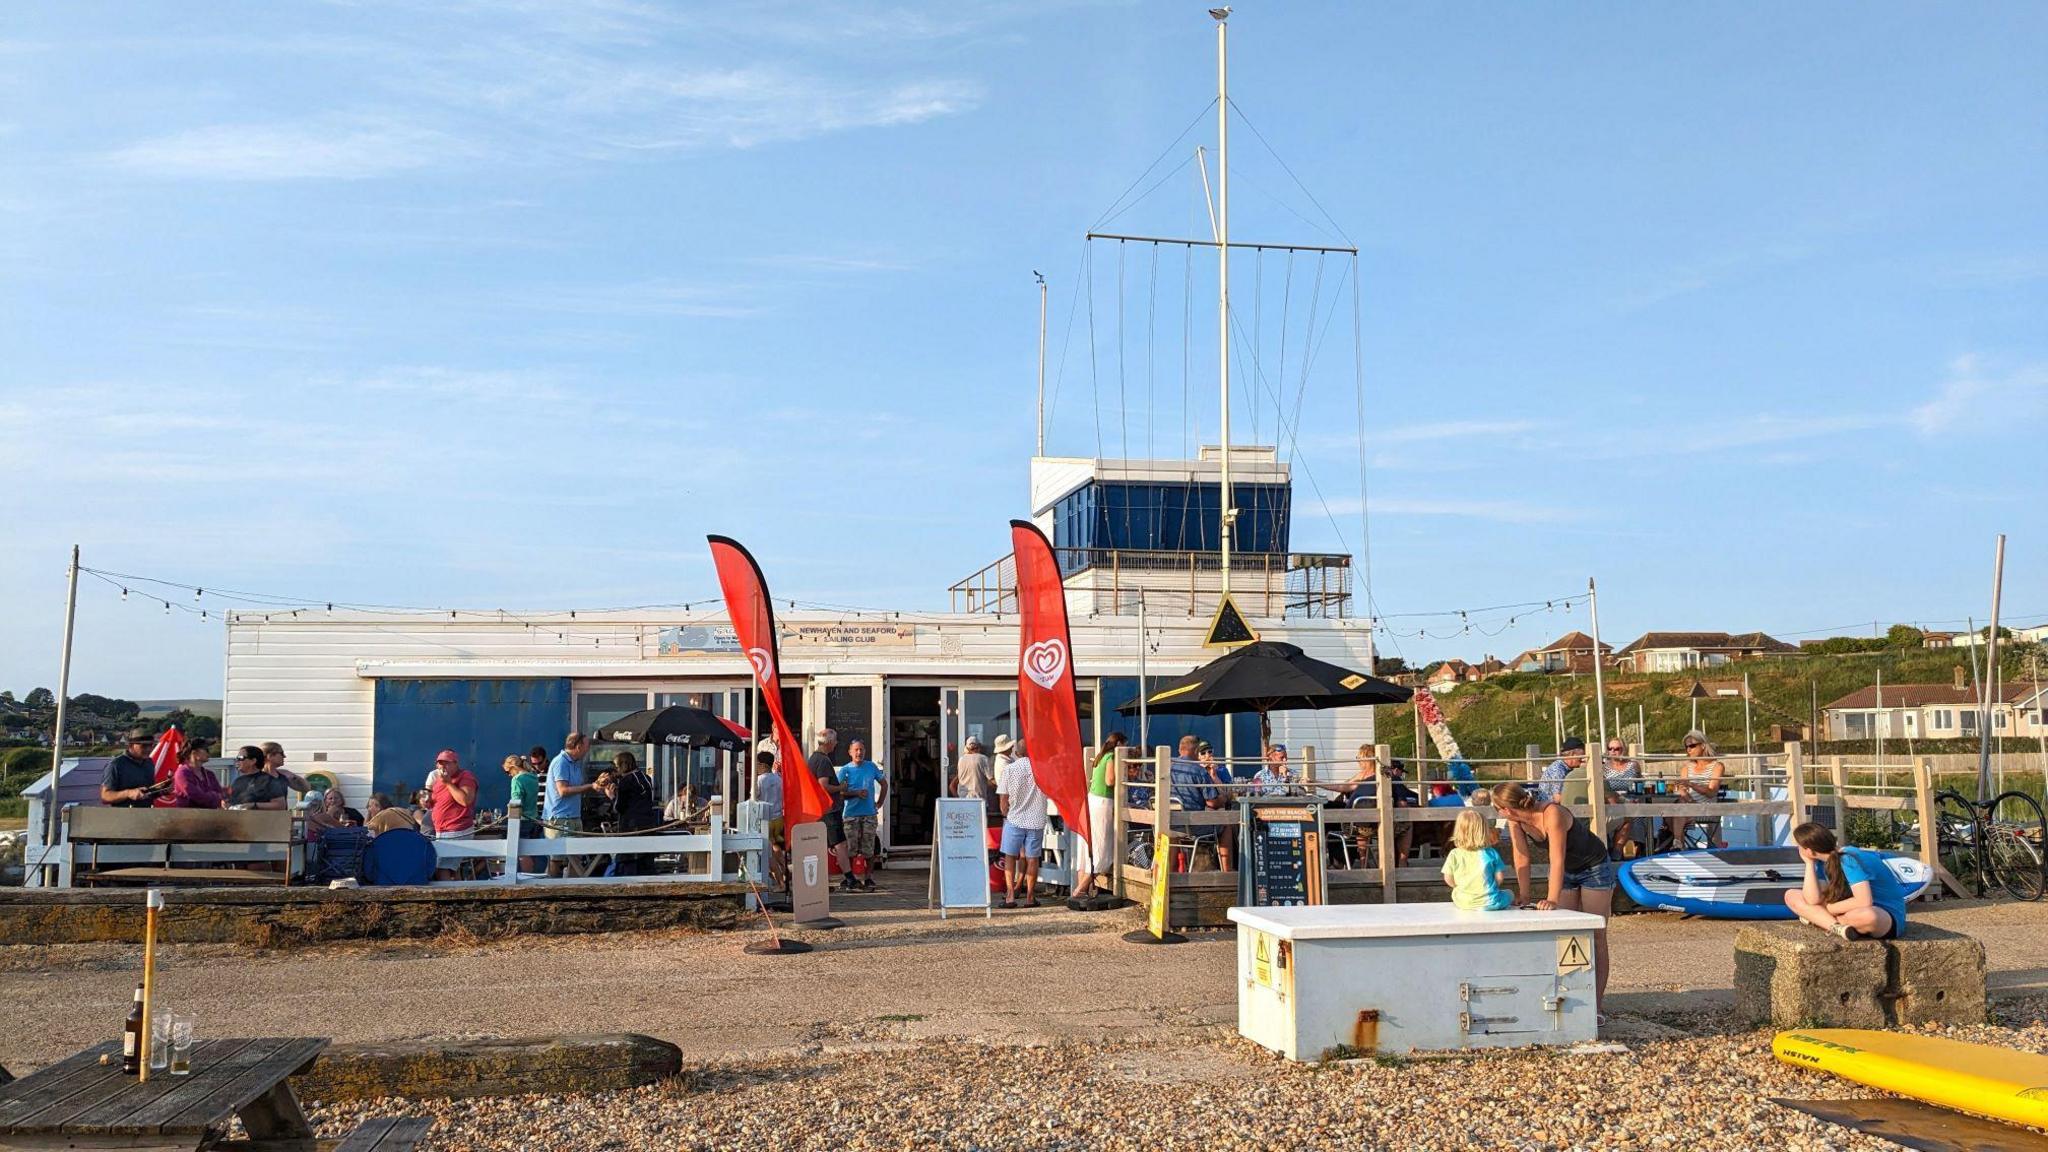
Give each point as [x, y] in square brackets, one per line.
[1267, 677]
[678, 726]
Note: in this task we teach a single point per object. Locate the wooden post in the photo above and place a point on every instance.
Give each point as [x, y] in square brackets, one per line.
[1384, 803]
[1596, 789]
[1840, 777]
[151, 902]
[1118, 826]
[1795, 780]
[1308, 764]
[1923, 800]
[1531, 754]
[513, 819]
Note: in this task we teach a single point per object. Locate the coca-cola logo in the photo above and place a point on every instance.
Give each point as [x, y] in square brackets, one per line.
[1045, 661]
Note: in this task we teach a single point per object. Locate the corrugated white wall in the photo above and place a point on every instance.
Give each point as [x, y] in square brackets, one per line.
[308, 682]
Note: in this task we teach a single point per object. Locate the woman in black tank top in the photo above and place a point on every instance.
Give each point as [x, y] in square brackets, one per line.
[1581, 878]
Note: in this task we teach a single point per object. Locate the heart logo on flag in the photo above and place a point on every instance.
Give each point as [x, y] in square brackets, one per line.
[759, 658]
[1044, 661]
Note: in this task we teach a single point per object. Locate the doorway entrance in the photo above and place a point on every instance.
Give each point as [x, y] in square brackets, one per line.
[913, 765]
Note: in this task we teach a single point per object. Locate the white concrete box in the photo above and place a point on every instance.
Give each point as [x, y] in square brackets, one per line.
[1408, 977]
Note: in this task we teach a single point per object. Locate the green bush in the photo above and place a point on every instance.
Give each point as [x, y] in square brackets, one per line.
[1871, 830]
[13, 808]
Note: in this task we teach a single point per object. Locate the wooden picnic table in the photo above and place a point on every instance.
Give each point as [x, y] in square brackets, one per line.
[81, 1103]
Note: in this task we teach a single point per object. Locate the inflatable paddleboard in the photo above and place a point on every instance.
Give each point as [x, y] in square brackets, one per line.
[1738, 883]
[2002, 1083]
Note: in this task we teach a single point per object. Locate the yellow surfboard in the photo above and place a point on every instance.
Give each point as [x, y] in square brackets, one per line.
[2002, 1083]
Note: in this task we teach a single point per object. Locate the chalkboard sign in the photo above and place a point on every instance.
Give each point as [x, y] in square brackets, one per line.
[1282, 861]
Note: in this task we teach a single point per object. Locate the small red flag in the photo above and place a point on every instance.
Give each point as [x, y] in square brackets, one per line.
[1045, 678]
[753, 620]
[169, 751]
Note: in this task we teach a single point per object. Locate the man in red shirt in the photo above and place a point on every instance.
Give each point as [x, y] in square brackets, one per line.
[452, 789]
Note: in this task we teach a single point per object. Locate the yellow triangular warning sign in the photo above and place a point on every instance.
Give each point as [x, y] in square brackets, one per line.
[1228, 628]
[1574, 954]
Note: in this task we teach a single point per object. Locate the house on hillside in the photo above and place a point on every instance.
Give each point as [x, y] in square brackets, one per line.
[1571, 652]
[1934, 712]
[2035, 635]
[1450, 674]
[1679, 651]
[1490, 667]
[1937, 639]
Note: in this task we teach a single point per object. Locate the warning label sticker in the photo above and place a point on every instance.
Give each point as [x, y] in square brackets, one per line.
[1574, 954]
[1262, 959]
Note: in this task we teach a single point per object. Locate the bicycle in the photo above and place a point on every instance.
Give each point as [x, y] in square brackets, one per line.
[1996, 844]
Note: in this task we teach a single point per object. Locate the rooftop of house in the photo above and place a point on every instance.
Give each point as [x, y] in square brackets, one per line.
[1707, 641]
[1924, 695]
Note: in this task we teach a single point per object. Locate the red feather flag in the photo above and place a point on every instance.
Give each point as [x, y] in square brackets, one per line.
[168, 753]
[753, 620]
[1045, 678]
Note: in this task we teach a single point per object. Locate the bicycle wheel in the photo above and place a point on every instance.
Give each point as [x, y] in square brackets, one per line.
[2014, 845]
[1955, 831]
[2015, 864]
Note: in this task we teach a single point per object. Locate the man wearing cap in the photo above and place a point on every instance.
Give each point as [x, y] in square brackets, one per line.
[453, 791]
[1570, 758]
[128, 778]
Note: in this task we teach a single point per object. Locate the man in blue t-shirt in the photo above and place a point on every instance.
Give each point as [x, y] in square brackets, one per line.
[562, 796]
[865, 786]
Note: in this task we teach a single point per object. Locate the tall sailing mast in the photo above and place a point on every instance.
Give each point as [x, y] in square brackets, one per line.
[1227, 514]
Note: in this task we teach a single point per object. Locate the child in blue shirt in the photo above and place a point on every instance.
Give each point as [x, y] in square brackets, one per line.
[1847, 891]
[1473, 868]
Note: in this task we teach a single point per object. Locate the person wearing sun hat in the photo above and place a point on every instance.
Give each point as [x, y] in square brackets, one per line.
[127, 780]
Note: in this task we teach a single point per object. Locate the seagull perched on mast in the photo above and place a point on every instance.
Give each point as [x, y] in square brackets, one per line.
[1220, 13]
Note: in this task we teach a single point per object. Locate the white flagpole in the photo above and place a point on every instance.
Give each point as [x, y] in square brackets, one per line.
[50, 804]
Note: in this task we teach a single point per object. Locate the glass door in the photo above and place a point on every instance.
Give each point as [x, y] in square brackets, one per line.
[854, 707]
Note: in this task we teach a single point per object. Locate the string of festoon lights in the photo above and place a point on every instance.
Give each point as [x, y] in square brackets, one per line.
[1491, 620]
[215, 604]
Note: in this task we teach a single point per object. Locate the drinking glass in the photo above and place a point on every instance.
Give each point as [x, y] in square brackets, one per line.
[160, 1040]
[181, 1046]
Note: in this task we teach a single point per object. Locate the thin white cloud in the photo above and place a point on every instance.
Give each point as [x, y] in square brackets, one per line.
[550, 81]
[1499, 511]
[1452, 430]
[660, 297]
[1971, 394]
[263, 152]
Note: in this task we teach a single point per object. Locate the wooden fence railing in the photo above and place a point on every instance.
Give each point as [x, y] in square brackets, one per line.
[1782, 784]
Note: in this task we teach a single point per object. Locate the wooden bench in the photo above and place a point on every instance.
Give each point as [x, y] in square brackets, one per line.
[385, 1134]
[90, 827]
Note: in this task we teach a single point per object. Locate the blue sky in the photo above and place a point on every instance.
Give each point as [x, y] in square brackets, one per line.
[1742, 308]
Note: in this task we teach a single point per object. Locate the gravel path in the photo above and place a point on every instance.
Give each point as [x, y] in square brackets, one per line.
[1697, 1092]
[1039, 1030]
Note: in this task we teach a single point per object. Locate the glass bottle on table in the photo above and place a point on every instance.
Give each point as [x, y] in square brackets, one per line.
[131, 1037]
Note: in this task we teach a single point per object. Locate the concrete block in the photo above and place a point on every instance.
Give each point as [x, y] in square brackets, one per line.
[1938, 977]
[1793, 975]
[509, 1067]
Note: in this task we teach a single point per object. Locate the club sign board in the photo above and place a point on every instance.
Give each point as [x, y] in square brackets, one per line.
[1282, 864]
[960, 864]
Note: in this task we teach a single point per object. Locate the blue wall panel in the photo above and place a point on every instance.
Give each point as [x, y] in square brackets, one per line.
[483, 720]
[1118, 691]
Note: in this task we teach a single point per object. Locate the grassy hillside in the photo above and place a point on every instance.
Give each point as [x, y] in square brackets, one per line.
[1499, 717]
[153, 709]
